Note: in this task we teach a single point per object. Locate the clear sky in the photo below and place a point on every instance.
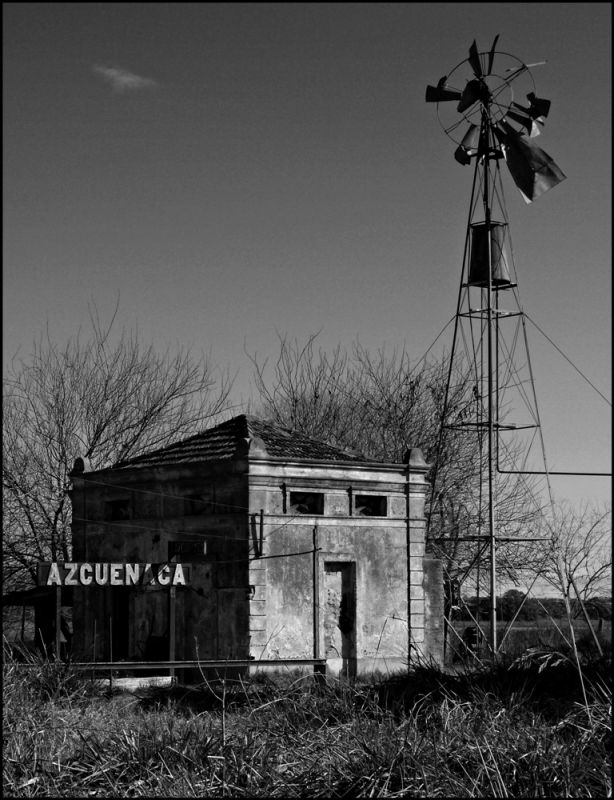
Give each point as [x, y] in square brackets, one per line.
[235, 169]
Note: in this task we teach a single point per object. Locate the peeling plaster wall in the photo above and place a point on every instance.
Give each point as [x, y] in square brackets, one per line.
[289, 601]
[378, 559]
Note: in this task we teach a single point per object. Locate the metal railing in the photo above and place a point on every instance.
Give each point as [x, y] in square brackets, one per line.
[319, 664]
[195, 664]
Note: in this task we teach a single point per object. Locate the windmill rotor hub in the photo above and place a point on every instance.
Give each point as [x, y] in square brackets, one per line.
[496, 99]
[502, 123]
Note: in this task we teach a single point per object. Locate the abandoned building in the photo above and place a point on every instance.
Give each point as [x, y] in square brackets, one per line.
[296, 550]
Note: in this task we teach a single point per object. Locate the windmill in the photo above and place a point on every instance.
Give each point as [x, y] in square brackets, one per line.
[488, 106]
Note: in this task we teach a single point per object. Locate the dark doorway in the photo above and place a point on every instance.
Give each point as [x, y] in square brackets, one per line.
[339, 617]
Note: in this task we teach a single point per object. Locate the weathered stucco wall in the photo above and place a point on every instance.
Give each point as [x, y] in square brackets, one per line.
[211, 613]
[433, 610]
[358, 578]
[369, 560]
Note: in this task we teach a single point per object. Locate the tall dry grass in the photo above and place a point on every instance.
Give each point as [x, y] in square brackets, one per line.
[510, 730]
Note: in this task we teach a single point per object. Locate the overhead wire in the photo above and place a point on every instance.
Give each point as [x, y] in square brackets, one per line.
[558, 349]
[501, 198]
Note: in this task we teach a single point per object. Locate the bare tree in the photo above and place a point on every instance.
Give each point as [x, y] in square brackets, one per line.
[578, 559]
[104, 397]
[381, 404]
[376, 403]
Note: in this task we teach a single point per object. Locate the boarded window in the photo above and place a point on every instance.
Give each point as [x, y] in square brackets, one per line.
[118, 509]
[371, 505]
[306, 503]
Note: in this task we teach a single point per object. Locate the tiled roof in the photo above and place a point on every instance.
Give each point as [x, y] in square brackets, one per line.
[225, 441]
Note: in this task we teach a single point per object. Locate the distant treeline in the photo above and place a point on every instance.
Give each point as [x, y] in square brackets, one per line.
[533, 608]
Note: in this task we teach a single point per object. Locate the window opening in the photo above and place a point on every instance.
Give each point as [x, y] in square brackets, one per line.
[306, 503]
[371, 505]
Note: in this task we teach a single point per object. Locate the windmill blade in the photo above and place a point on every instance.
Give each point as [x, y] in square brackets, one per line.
[462, 156]
[469, 145]
[474, 90]
[474, 60]
[491, 55]
[526, 121]
[533, 171]
[529, 112]
[435, 94]
[471, 139]
[539, 107]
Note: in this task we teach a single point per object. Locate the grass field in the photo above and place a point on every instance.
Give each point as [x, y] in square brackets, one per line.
[542, 633]
[511, 730]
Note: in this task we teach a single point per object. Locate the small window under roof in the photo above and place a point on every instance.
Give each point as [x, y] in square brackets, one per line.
[370, 505]
[306, 503]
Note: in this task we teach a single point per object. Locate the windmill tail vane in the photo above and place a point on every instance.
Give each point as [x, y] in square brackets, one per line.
[499, 125]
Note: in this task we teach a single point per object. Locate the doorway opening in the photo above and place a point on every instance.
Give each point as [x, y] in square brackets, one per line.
[339, 617]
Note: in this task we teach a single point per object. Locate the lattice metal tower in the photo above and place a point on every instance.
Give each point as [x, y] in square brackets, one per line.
[478, 107]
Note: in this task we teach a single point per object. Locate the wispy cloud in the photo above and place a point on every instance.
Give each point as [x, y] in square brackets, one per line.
[122, 80]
